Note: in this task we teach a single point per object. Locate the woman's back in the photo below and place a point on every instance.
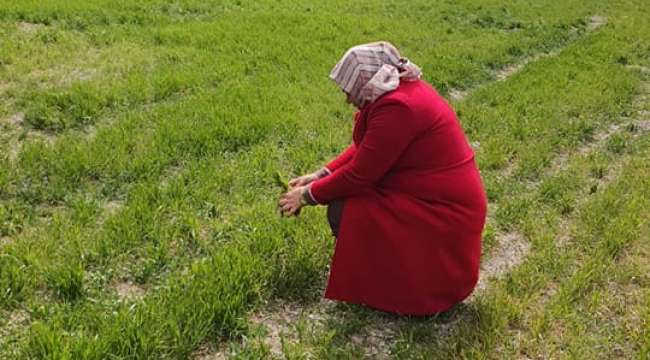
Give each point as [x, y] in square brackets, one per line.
[437, 151]
[439, 142]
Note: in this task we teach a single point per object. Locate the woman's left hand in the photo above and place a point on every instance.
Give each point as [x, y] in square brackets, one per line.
[291, 202]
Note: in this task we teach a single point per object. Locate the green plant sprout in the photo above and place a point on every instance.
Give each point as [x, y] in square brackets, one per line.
[281, 181]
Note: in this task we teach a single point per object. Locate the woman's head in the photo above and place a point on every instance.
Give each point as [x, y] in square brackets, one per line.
[368, 71]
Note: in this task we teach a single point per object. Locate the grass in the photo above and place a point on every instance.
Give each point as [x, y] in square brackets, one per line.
[149, 138]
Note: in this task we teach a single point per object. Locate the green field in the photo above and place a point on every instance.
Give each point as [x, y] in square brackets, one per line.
[139, 143]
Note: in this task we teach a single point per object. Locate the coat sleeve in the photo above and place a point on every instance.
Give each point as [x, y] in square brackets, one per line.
[342, 159]
[389, 130]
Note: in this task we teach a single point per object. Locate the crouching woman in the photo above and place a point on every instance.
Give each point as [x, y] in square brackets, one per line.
[405, 200]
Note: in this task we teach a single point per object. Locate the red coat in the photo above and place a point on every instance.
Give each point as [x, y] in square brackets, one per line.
[410, 235]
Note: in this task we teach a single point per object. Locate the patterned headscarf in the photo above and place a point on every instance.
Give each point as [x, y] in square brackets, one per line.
[370, 70]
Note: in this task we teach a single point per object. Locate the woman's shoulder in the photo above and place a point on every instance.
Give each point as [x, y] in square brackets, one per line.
[408, 94]
[393, 101]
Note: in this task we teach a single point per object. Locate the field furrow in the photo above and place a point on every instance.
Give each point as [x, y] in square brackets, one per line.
[595, 22]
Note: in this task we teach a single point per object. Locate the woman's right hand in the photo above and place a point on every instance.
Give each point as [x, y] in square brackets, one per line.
[309, 178]
[303, 180]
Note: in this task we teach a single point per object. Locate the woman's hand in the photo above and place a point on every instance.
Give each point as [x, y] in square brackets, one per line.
[303, 180]
[309, 178]
[291, 202]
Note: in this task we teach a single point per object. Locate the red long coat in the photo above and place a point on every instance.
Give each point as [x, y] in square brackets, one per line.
[410, 235]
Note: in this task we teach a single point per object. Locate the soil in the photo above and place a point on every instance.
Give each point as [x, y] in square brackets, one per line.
[29, 28]
[510, 251]
[129, 291]
[595, 22]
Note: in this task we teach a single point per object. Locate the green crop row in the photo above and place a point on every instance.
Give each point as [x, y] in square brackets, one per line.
[193, 174]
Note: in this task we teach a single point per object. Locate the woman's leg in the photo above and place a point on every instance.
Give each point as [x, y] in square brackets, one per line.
[334, 213]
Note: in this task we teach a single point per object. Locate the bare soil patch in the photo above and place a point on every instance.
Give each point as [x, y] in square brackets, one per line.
[596, 22]
[29, 28]
[510, 251]
[128, 291]
[208, 352]
[88, 65]
[4, 87]
[645, 124]
[79, 75]
[16, 120]
[15, 144]
[61, 76]
[170, 174]
[13, 150]
[279, 322]
[12, 127]
[16, 319]
[376, 339]
[457, 95]
[112, 207]
[643, 69]
[5, 240]
[512, 69]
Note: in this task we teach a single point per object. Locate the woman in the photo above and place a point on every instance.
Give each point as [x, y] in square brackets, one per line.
[406, 202]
